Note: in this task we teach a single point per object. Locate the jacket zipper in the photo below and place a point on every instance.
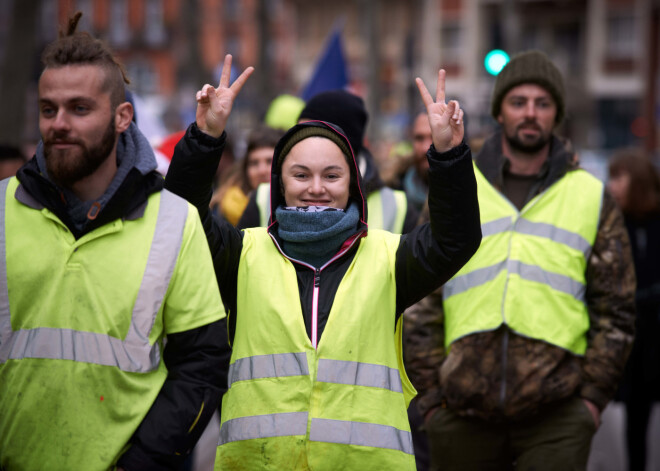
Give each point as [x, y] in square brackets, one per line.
[317, 281]
[315, 306]
[505, 360]
[505, 337]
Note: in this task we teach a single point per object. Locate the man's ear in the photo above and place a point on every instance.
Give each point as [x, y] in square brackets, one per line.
[123, 117]
[499, 118]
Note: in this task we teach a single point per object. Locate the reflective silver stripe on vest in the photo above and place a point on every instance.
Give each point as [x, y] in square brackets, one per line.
[472, 279]
[496, 226]
[263, 426]
[268, 366]
[540, 229]
[481, 276]
[389, 208]
[5, 319]
[359, 374]
[360, 433]
[556, 281]
[557, 234]
[134, 354]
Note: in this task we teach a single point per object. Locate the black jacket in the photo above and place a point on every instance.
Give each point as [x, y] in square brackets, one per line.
[427, 257]
[162, 441]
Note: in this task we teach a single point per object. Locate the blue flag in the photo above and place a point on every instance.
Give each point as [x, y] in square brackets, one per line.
[331, 72]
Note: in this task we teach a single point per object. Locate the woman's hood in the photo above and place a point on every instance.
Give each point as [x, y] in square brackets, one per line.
[276, 192]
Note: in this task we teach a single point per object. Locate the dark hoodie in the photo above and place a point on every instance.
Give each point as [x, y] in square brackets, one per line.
[135, 180]
[425, 259]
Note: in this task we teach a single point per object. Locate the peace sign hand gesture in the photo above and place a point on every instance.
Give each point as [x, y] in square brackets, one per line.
[214, 104]
[446, 119]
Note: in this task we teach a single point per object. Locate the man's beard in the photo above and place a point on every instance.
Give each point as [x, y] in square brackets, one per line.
[68, 166]
[528, 146]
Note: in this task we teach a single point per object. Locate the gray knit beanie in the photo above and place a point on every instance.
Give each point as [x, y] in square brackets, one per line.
[313, 131]
[529, 67]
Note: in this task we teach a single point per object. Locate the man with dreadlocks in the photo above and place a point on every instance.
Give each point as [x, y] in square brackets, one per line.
[98, 266]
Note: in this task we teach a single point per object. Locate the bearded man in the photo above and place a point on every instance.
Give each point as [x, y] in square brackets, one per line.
[528, 341]
[110, 316]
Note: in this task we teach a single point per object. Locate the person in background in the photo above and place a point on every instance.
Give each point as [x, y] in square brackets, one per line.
[240, 181]
[415, 181]
[11, 159]
[529, 340]
[283, 111]
[635, 185]
[406, 168]
[388, 209]
[317, 378]
[109, 308]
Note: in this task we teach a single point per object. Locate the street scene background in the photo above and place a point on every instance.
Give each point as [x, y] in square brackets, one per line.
[608, 51]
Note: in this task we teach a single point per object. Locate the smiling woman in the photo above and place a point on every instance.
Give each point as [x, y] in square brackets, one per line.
[316, 360]
[316, 173]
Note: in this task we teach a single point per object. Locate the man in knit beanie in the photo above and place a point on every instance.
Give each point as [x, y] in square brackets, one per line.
[528, 342]
[532, 67]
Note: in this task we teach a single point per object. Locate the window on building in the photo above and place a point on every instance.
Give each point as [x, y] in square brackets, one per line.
[567, 40]
[622, 40]
[154, 31]
[615, 118]
[530, 37]
[274, 7]
[48, 26]
[622, 43]
[232, 10]
[5, 15]
[450, 35]
[144, 77]
[233, 46]
[119, 29]
[86, 7]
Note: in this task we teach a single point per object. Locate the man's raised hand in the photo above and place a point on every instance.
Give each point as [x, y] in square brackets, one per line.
[446, 119]
[214, 104]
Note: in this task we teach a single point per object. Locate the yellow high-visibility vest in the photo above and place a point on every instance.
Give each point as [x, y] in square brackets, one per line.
[82, 324]
[529, 272]
[387, 209]
[341, 405]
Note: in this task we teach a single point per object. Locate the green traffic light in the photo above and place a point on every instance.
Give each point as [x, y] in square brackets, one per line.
[495, 61]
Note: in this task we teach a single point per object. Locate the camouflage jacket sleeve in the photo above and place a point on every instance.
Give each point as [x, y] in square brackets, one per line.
[610, 297]
[424, 348]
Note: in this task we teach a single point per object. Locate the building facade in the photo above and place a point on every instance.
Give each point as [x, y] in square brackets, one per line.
[607, 50]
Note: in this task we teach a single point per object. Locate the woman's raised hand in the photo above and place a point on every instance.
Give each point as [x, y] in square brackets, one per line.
[446, 119]
[214, 104]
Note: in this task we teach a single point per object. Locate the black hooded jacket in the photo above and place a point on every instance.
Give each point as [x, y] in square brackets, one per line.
[426, 258]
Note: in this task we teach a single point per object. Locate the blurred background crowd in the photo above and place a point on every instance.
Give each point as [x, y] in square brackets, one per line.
[607, 50]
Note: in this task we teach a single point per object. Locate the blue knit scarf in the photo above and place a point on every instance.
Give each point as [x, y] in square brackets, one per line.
[314, 235]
